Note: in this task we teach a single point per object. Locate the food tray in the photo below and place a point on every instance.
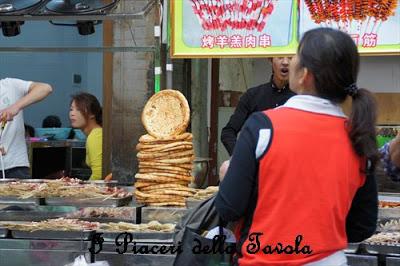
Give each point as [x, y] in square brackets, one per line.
[162, 214]
[53, 235]
[100, 214]
[10, 200]
[32, 216]
[352, 247]
[105, 220]
[140, 236]
[383, 249]
[3, 232]
[389, 213]
[34, 181]
[111, 183]
[79, 202]
[392, 261]
[7, 180]
[393, 197]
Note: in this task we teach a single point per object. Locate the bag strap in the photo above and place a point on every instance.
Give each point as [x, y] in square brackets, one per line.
[209, 210]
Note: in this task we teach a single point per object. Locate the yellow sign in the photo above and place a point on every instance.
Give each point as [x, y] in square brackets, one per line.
[251, 28]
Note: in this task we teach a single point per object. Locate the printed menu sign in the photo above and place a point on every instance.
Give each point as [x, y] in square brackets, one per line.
[249, 28]
[374, 25]
[217, 28]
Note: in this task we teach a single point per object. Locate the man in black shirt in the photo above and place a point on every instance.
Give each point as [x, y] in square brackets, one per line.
[260, 98]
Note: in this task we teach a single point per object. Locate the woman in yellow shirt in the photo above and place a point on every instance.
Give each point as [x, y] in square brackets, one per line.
[86, 114]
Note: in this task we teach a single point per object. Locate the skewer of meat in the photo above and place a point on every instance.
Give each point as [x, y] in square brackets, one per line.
[312, 9]
[265, 12]
[333, 10]
[387, 9]
[327, 8]
[372, 8]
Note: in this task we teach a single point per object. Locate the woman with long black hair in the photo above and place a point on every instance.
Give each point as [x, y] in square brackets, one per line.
[301, 176]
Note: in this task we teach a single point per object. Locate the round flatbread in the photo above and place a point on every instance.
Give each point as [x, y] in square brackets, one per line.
[184, 160]
[140, 185]
[155, 197]
[170, 192]
[145, 164]
[144, 170]
[177, 148]
[154, 178]
[177, 145]
[172, 175]
[157, 171]
[169, 186]
[164, 178]
[169, 154]
[149, 139]
[166, 114]
[162, 167]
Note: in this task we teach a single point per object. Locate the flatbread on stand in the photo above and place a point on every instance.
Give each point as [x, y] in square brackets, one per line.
[166, 153]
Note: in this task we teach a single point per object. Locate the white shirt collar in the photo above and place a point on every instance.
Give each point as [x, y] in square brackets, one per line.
[314, 104]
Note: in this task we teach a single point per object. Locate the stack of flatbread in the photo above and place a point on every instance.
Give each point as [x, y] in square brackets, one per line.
[166, 154]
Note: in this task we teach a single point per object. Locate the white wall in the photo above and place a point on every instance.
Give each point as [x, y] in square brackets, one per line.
[241, 74]
[380, 74]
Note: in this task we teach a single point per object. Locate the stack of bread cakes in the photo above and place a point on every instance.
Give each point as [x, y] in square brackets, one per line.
[166, 153]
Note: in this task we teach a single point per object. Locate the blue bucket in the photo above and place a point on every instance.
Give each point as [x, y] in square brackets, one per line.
[57, 133]
[79, 134]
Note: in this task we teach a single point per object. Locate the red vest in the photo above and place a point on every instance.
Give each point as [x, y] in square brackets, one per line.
[306, 184]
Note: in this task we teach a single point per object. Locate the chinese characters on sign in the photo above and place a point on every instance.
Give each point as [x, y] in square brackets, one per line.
[368, 40]
[236, 41]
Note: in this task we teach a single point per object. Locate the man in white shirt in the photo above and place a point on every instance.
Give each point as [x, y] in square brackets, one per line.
[15, 95]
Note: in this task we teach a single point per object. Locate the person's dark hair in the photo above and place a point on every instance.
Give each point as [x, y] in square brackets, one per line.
[332, 57]
[88, 105]
[51, 121]
[29, 130]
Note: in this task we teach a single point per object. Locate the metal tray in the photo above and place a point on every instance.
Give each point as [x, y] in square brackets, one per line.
[3, 232]
[105, 220]
[32, 216]
[9, 200]
[111, 183]
[393, 197]
[127, 214]
[141, 236]
[6, 180]
[392, 261]
[389, 213]
[34, 181]
[79, 202]
[162, 214]
[352, 247]
[53, 235]
[383, 249]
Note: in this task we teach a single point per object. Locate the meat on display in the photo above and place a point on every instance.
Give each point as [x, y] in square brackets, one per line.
[346, 11]
[223, 15]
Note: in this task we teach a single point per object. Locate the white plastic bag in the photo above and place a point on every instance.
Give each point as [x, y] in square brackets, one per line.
[230, 236]
[81, 261]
